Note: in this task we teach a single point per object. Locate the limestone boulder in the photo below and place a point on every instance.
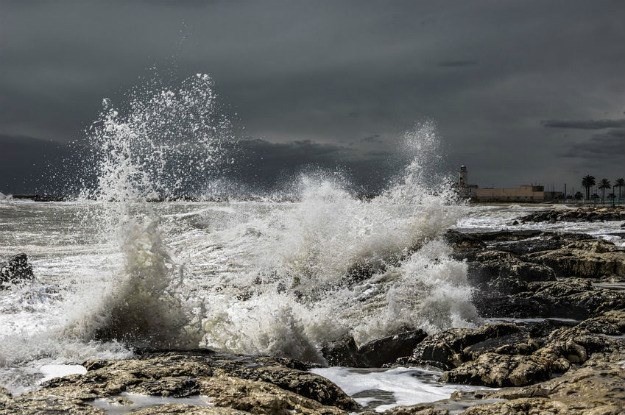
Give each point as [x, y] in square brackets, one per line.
[375, 353]
[451, 348]
[232, 384]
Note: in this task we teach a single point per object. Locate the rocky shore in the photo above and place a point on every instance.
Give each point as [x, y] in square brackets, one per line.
[553, 342]
[583, 214]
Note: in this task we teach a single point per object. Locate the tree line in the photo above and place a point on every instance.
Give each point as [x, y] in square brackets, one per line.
[604, 184]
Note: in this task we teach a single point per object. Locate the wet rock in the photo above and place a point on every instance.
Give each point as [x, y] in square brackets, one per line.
[588, 259]
[568, 255]
[535, 274]
[451, 348]
[46, 403]
[562, 349]
[568, 298]
[494, 304]
[379, 352]
[181, 409]
[375, 353]
[463, 242]
[503, 272]
[16, 269]
[342, 352]
[586, 214]
[609, 323]
[595, 388]
[259, 385]
[545, 241]
[491, 237]
[424, 409]
[498, 370]
[260, 397]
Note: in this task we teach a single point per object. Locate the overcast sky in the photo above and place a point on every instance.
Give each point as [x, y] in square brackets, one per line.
[521, 91]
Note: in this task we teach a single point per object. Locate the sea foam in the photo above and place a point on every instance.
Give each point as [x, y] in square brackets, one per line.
[284, 275]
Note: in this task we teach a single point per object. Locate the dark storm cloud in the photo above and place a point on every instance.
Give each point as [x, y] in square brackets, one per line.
[269, 165]
[585, 124]
[30, 164]
[334, 72]
[375, 138]
[608, 146]
[456, 64]
[298, 151]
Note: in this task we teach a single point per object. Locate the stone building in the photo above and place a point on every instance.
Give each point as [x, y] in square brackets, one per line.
[524, 193]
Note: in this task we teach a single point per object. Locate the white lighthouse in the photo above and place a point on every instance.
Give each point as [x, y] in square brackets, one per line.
[464, 188]
[463, 178]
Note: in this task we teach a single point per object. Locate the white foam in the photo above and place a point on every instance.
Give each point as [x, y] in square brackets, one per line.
[408, 386]
[128, 402]
[57, 371]
[281, 278]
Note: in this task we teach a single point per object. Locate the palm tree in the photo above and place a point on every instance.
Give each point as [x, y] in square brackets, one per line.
[604, 184]
[588, 182]
[619, 183]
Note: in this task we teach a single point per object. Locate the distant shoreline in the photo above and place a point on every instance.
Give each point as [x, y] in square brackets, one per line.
[550, 204]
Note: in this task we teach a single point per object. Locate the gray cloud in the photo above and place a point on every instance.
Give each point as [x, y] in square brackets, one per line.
[585, 124]
[333, 72]
[29, 164]
[269, 165]
[375, 138]
[456, 63]
[608, 146]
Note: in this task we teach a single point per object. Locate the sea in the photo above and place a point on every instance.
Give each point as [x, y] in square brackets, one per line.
[121, 266]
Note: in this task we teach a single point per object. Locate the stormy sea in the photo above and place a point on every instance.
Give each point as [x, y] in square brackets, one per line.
[128, 268]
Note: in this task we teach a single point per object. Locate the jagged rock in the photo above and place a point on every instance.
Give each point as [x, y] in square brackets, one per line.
[568, 298]
[342, 352]
[503, 272]
[609, 323]
[259, 385]
[595, 388]
[587, 214]
[375, 353]
[544, 241]
[423, 409]
[576, 306]
[464, 242]
[563, 347]
[450, 348]
[569, 255]
[502, 305]
[560, 366]
[388, 349]
[515, 275]
[44, 403]
[176, 409]
[498, 370]
[16, 269]
[589, 259]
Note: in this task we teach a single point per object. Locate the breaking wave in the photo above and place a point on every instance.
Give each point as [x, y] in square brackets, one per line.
[306, 273]
[266, 276]
[165, 145]
[333, 264]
